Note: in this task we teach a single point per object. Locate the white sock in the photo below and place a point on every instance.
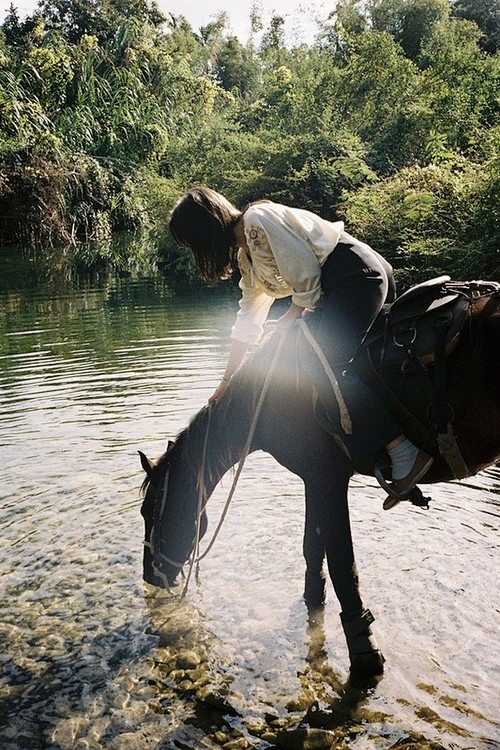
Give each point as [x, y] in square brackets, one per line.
[403, 457]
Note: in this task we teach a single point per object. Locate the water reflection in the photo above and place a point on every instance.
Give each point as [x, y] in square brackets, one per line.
[191, 667]
[89, 373]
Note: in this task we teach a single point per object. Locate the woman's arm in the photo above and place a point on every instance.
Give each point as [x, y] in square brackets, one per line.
[237, 352]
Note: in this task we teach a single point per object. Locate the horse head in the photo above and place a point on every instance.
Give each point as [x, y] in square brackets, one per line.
[170, 512]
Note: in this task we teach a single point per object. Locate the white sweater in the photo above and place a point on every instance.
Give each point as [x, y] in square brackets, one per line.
[288, 247]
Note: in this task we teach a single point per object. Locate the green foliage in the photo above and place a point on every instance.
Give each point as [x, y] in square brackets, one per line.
[78, 119]
[433, 219]
[462, 85]
[236, 68]
[350, 17]
[309, 171]
[419, 19]
[409, 22]
[43, 201]
[273, 42]
[486, 14]
[389, 119]
[376, 85]
[99, 18]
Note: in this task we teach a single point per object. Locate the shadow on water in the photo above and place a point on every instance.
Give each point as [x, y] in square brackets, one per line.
[190, 667]
[41, 704]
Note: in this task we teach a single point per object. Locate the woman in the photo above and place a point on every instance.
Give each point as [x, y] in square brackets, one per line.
[291, 252]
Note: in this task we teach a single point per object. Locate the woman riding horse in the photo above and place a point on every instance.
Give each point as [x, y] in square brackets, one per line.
[291, 252]
[179, 483]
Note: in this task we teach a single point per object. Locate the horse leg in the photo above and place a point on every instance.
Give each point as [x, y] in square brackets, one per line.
[314, 555]
[333, 530]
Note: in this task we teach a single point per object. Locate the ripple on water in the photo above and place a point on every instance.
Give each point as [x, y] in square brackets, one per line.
[92, 658]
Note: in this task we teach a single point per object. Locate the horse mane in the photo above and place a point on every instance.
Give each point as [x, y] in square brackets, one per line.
[240, 397]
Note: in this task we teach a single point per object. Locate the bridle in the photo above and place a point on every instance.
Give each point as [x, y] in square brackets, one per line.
[195, 556]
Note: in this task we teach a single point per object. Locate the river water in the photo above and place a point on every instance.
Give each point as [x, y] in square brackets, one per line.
[90, 657]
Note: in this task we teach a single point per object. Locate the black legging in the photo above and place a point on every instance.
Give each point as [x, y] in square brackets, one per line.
[356, 283]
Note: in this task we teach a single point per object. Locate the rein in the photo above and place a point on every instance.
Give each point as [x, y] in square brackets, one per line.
[202, 501]
[202, 494]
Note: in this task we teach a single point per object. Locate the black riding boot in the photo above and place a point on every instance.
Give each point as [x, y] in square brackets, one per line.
[364, 653]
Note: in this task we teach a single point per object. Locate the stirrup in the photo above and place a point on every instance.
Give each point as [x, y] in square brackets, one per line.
[388, 487]
[414, 494]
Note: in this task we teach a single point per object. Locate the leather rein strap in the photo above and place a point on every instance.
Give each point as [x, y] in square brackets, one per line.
[446, 441]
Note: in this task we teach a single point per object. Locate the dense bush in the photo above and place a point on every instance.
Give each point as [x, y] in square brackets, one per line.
[433, 219]
[388, 120]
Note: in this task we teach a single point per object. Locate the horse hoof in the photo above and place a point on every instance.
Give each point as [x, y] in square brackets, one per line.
[370, 664]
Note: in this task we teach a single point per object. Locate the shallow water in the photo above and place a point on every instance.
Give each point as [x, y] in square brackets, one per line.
[93, 658]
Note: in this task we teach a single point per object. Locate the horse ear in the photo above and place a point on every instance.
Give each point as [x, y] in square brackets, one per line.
[146, 464]
[170, 445]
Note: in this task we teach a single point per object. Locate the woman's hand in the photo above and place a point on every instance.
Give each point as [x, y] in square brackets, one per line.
[237, 352]
[218, 391]
[288, 319]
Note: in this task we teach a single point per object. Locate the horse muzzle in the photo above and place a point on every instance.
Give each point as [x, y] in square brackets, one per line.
[159, 572]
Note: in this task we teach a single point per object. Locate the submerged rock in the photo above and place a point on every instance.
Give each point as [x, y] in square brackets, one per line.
[238, 744]
[306, 739]
[216, 698]
[188, 659]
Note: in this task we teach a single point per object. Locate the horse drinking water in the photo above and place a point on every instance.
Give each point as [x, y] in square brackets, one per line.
[180, 482]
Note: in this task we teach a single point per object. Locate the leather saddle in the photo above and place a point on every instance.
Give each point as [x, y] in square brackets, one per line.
[411, 326]
[402, 359]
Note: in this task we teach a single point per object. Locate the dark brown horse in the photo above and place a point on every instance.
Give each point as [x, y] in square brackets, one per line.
[288, 430]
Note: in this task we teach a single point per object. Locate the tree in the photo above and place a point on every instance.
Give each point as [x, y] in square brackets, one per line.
[99, 18]
[338, 33]
[15, 31]
[256, 24]
[349, 14]
[386, 15]
[486, 13]
[461, 86]
[273, 41]
[236, 68]
[419, 18]
[11, 27]
[409, 21]
[376, 84]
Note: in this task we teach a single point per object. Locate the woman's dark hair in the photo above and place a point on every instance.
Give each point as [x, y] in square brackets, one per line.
[204, 221]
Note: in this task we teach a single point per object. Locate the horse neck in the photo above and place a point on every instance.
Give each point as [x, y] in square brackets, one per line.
[214, 442]
[217, 437]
